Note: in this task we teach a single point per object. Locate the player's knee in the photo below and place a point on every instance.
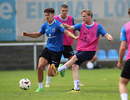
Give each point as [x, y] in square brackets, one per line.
[122, 83]
[75, 67]
[40, 67]
[74, 58]
[95, 57]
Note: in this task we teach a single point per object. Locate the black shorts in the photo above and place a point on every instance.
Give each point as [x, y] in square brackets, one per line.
[126, 70]
[84, 56]
[68, 51]
[51, 56]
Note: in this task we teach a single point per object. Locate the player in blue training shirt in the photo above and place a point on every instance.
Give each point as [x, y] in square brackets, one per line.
[51, 54]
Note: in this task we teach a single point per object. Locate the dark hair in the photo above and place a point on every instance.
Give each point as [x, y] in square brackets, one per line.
[128, 11]
[64, 6]
[49, 10]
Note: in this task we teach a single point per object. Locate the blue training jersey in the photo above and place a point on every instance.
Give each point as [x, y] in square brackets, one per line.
[123, 34]
[100, 29]
[54, 33]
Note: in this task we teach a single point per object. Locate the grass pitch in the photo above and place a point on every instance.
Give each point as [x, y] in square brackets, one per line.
[99, 84]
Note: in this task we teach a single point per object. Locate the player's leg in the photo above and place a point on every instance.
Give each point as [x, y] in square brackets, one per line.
[68, 64]
[49, 75]
[124, 79]
[76, 75]
[42, 63]
[65, 66]
[68, 53]
[75, 69]
[122, 88]
[56, 56]
[82, 56]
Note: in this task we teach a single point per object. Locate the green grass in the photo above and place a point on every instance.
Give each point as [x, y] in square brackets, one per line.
[100, 84]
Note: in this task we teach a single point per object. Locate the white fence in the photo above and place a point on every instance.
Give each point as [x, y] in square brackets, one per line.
[27, 44]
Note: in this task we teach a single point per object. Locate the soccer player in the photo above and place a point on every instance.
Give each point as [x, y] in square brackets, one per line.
[67, 41]
[53, 50]
[125, 75]
[86, 45]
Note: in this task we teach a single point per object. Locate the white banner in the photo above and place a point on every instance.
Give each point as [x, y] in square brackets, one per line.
[30, 15]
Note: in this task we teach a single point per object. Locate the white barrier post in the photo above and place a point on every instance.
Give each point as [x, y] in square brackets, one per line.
[35, 56]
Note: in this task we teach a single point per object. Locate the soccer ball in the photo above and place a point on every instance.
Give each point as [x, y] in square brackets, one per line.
[24, 84]
[89, 65]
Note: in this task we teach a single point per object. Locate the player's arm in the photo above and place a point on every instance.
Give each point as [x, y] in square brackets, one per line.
[122, 49]
[71, 35]
[104, 33]
[109, 37]
[74, 31]
[33, 35]
[68, 27]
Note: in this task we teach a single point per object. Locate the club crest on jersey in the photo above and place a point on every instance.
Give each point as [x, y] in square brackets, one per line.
[61, 25]
[53, 30]
[121, 35]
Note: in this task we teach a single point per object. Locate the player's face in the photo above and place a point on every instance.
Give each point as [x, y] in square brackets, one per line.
[49, 17]
[64, 11]
[85, 17]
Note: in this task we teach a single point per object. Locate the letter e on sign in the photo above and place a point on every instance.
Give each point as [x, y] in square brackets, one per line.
[5, 11]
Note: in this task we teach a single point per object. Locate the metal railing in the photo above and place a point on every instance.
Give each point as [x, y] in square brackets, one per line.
[27, 44]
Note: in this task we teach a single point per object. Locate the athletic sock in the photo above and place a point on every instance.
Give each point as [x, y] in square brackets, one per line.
[124, 96]
[61, 68]
[40, 85]
[48, 79]
[76, 84]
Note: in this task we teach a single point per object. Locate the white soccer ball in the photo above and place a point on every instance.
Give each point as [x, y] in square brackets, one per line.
[24, 84]
[89, 65]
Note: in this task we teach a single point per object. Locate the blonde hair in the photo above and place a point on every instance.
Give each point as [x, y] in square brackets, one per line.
[89, 13]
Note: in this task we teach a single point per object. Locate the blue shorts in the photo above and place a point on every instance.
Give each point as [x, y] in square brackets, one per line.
[84, 56]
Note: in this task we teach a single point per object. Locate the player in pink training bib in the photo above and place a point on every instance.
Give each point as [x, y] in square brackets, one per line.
[125, 75]
[86, 46]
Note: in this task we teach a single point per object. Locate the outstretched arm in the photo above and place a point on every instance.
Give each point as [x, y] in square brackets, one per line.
[109, 37]
[68, 27]
[33, 35]
[71, 35]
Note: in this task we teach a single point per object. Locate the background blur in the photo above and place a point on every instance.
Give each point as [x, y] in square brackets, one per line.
[27, 15]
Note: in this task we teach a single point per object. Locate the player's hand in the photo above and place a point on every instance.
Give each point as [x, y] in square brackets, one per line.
[66, 26]
[24, 33]
[119, 65]
[110, 39]
[76, 37]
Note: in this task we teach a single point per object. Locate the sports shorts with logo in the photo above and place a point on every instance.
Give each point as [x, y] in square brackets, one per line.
[51, 56]
[68, 51]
